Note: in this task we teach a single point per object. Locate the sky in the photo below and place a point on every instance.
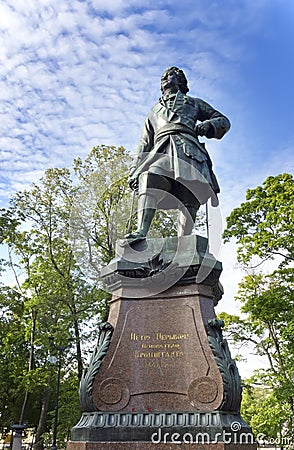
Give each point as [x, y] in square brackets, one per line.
[75, 74]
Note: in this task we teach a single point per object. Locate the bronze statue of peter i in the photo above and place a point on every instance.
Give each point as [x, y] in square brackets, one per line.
[172, 169]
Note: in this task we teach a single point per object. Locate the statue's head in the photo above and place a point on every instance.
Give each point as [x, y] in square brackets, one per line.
[176, 75]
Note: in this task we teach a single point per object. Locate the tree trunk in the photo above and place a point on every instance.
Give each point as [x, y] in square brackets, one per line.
[31, 366]
[39, 444]
[78, 347]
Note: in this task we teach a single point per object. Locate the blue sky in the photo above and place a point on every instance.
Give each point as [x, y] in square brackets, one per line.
[75, 74]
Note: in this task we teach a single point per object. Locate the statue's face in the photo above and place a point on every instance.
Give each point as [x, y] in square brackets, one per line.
[169, 80]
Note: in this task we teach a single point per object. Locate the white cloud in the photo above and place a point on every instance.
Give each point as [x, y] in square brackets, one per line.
[71, 77]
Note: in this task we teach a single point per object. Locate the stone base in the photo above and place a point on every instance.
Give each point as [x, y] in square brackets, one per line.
[161, 376]
[161, 430]
[150, 446]
[152, 266]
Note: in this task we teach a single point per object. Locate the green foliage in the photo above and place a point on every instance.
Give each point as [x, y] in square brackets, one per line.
[264, 225]
[101, 206]
[69, 411]
[13, 351]
[165, 223]
[266, 326]
[265, 413]
[263, 228]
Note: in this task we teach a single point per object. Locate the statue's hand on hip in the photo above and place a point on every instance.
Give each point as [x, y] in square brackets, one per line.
[205, 129]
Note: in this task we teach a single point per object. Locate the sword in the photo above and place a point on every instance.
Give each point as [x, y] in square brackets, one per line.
[131, 213]
[207, 225]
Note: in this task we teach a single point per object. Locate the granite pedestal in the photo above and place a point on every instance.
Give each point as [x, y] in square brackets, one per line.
[161, 375]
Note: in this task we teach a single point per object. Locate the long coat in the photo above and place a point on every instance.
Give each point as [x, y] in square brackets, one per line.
[169, 145]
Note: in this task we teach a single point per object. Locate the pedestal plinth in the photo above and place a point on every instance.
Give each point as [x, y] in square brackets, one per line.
[162, 375]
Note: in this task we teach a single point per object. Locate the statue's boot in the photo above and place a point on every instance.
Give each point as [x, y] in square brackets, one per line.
[146, 210]
[186, 219]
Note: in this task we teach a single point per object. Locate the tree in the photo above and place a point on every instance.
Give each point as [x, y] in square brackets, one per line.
[264, 225]
[60, 300]
[101, 206]
[13, 353]
[263, 228]
[46, 207]
[265, 413]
